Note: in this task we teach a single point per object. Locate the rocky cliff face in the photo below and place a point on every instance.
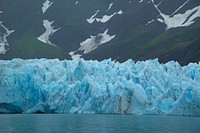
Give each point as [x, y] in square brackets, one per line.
[99, 29]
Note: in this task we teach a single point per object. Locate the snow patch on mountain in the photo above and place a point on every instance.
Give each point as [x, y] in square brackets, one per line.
[151, 21]
[92, 19]
[110, 6]
[48, 33]
[160, 20]
[180, 7]
[104, 19]
[94, 42]
[76, 2]
[75, 56]
[46, 5]
[120, 12]
[141, 1]
[178, 20]
[3, 38]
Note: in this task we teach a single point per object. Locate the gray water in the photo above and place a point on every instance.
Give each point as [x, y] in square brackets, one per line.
[60, 123]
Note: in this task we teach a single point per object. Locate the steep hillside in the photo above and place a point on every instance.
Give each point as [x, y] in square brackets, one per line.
[100, 29]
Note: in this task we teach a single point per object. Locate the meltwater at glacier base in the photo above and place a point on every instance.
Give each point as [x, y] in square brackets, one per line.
[106, 87]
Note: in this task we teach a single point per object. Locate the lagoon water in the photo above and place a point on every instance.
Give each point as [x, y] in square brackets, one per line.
[65, 123]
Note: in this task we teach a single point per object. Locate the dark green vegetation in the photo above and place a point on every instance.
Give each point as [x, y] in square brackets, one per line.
[134, 39]
[25, 18]
[29, 47]
[182, 45]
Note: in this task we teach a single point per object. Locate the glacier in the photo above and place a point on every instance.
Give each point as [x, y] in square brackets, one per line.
[106, 87]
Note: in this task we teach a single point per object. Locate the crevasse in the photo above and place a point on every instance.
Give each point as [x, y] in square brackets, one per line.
[53, 86]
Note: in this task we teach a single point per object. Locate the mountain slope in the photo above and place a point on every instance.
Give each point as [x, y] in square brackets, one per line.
[99, 29]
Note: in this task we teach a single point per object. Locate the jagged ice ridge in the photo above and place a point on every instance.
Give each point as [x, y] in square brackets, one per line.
[79, 86]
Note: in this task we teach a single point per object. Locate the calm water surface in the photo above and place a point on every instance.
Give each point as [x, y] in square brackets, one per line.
[57, 123]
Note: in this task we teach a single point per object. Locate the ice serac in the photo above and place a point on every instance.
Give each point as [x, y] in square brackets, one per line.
[53, 86]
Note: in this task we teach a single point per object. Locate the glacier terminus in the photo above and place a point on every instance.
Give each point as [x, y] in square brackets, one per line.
[106, 87]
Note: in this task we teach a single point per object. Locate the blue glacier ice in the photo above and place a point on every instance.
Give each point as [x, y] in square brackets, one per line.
[79, 86]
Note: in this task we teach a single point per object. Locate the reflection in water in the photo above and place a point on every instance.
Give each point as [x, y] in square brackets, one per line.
[59, 123]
